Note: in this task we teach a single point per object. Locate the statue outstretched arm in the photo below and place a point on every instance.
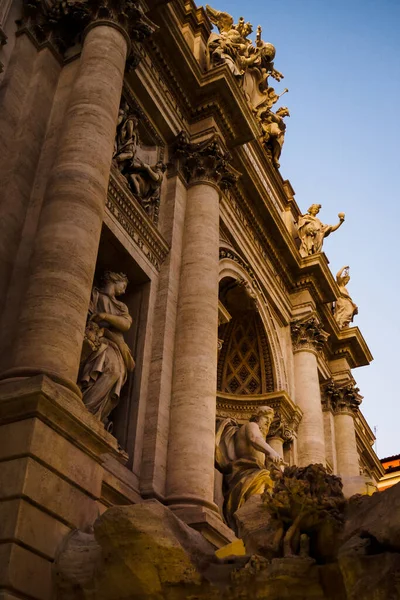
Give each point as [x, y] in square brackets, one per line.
[332, 228]
[339, 274]
[257, 441]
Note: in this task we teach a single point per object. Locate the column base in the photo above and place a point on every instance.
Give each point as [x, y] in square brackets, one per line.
[51, 479]
[207, 522]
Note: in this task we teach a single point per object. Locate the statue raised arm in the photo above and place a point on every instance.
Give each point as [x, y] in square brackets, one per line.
[312, 231]
[345, 308]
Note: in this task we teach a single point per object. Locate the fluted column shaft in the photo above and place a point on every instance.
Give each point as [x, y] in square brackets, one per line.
[191, 444]
[54, 314]
[346, 445]
[311, 441]
[308, 337]
[190, 475]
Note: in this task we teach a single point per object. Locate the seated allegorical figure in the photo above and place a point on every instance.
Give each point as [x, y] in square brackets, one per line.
[245, 459]
[106, 358]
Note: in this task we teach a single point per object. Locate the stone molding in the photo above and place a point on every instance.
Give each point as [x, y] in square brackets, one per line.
[132, 217]
[62, 24]
[287, 414]
[340, 398]
[205, 161]
[308, 335]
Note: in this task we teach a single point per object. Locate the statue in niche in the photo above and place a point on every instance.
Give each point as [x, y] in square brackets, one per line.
[145, 182]
[245, 459]
[312, 232]
[106, 358]
[345, 309]
[274, 127]
[127, 137]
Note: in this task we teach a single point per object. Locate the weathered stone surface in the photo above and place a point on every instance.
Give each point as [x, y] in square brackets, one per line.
[294, 578]
[375, 577]
[136, 552]
[376, 517]
[257, 528]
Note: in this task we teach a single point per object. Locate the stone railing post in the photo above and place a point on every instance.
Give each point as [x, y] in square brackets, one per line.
[308, 338]
[190, 472]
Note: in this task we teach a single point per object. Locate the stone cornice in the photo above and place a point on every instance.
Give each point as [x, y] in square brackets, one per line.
[287, 414]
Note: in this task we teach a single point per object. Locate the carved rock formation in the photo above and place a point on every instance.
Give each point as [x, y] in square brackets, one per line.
[145, 552]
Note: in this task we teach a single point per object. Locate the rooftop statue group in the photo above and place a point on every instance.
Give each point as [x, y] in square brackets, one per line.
[252, 64]
[143, 179]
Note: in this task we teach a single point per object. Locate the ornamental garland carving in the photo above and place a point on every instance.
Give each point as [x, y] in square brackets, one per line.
[340, 398]
[62, 22]
[252, 65]
[205, 161]
[308, 334]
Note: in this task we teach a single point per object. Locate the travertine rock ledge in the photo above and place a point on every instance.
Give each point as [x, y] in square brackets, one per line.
[144, 552]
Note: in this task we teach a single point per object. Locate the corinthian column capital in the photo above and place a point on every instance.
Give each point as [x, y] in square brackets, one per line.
[308, 335]
[340, 398]
[61, 23]
[205, 162]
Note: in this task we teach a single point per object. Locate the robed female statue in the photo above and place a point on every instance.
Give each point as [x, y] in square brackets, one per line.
[104, 367]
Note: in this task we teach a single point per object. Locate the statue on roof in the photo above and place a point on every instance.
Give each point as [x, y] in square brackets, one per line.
[345, 308]
[312, 231]
[273, 128]
[252, 65]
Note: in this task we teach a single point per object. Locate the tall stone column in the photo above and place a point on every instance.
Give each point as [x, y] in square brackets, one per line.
[345, 400]
[51, 472]
[190, 471]
[308, 338]
[53, 317]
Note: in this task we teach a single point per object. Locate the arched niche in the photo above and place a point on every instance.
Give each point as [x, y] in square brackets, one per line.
[252, 315]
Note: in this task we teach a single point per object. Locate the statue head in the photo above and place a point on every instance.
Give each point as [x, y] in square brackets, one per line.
[118, 281]
[263, 417]
[283, 111]
[268, 50]
[314, 209]
[247, 29]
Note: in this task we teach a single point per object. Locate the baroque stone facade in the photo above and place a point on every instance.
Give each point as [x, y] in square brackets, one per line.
[158, 279]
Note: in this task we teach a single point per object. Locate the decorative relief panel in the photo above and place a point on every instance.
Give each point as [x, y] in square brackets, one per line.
[138, 158]
[132, 218]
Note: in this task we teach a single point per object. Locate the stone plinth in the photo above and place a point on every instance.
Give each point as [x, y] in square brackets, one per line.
[50, 478]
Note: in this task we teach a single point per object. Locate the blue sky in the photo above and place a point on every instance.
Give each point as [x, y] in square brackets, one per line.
[341, 61]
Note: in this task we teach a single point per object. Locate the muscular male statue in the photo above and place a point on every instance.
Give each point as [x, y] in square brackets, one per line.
[245, 459]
